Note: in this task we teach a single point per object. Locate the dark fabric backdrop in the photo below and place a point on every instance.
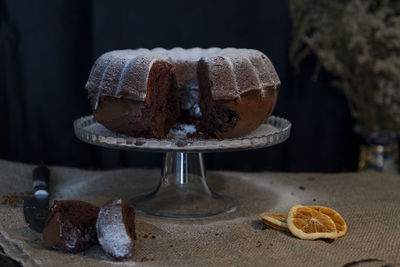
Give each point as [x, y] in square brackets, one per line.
[48, 46]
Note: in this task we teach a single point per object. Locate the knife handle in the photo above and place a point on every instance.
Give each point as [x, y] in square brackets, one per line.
[41, 176]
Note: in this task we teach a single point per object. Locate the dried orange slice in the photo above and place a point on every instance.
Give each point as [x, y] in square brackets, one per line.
[276, 220]
[307, 223]
[341, 226]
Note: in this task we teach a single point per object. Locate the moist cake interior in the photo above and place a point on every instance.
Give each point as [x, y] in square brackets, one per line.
[197, 108]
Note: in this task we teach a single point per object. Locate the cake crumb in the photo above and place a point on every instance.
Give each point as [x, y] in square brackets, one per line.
[181, 143]
[145, 235]
[15, 200]
[153, 236]
[302, 187]
[146, 259]
[140, 142]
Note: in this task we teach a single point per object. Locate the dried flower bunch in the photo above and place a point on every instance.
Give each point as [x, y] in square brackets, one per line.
[358, 41]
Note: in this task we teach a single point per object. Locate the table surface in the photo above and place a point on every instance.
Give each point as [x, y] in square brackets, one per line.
[368, 201]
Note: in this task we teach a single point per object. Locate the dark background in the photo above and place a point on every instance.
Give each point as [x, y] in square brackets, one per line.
[47, 49]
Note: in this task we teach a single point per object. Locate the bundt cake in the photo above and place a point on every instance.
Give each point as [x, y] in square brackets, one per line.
[225, 93]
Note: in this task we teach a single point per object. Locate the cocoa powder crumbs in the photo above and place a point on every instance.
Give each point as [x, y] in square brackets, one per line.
[14, 200]
[140, 142]
[181, 143]
[146, 259]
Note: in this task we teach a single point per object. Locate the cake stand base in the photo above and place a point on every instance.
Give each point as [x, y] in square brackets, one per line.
[183, 191]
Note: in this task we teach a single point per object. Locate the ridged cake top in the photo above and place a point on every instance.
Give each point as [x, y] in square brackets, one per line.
[232, 72]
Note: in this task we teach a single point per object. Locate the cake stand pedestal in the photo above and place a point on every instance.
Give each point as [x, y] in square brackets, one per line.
[183, 191]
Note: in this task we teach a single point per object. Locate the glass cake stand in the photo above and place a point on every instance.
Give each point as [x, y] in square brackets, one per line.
[183, 191]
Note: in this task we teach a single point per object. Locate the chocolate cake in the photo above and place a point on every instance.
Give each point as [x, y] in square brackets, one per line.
[116, 229]
[71, 226]
[225, 93]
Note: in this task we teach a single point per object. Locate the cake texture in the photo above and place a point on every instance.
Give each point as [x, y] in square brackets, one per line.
[71, 226]
[225, 93]
[116, 229]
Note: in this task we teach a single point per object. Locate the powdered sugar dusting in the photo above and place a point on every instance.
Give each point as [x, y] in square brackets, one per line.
[106, 75]
[182, 130]
[122, 74]
[111, 231]
[260, 74]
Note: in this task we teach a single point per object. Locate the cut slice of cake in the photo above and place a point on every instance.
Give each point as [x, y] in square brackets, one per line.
[116, 229]
[71, 226]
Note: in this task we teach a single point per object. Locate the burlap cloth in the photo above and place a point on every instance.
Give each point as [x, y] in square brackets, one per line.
[369, 202]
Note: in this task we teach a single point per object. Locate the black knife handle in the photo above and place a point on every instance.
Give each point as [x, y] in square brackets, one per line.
[41, 176]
